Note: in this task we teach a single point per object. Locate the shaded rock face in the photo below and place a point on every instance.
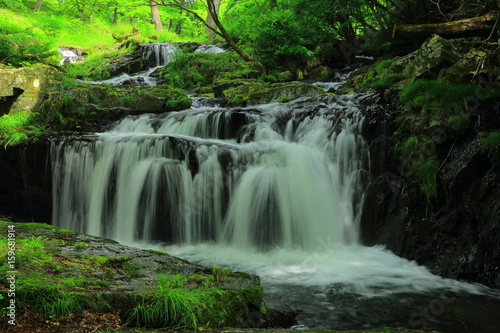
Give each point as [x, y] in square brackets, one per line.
[456, 236]
[26, 178]
[22, 89]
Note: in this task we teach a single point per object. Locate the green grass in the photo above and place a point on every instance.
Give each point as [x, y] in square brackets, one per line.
[171, 305]
[18, 127]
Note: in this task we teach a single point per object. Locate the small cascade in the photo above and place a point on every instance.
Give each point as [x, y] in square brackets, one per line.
[209, 49]
[159, 54]
[69, 56]
[162, 53]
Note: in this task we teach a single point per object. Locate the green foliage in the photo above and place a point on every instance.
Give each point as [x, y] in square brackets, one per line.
[181, 103]
[190, 71]
[81, 245]
[434, 94]
[171, 306]
[280, 42]
[426, 177]
[378, 75]
[491, 143]
[383, 64]
[18, 127]
[458, 125]
[419, 164]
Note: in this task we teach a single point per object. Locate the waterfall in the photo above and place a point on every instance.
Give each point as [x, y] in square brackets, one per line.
[277, 175]
[275, 190]
[69, 56]
[163, 53]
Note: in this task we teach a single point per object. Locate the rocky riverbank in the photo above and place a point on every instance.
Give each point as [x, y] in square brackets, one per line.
[60, 273]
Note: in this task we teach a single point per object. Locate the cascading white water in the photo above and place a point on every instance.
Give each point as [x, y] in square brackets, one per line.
[69, 57]
[162, 53]
[271, 184]
[276, 190]
[209, 49]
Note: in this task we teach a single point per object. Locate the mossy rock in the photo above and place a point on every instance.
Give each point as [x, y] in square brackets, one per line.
[259, 92]
[219, 87]
[435, 54]
[88, 107]
[57, 277]
[22, 89]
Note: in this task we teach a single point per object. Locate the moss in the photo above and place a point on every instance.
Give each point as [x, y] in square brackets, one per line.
[378, 75]
[56, 279]
[490, 143]
[418, 163]
[194, 70]
[18, 127]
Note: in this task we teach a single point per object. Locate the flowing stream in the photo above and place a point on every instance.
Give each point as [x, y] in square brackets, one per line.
[275, 190]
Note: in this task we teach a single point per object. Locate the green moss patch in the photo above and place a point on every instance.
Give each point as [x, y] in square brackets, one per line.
[192, 71]
[57, 276]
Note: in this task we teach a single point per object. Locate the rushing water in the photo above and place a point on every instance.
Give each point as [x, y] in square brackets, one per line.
[275, 190]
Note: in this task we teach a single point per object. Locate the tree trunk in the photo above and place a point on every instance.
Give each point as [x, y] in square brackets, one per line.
[38, 5]
[476, 26]
[222, 31]
[273, 3]
[115, 16]
[155, 15]
[210, 20]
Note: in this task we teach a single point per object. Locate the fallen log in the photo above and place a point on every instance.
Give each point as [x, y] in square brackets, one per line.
[476, 26]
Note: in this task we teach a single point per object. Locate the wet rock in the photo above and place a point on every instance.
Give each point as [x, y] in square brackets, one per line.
[456, 236]
[26, 178]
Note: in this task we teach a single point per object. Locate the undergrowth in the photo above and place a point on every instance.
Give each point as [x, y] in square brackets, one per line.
[15, 128]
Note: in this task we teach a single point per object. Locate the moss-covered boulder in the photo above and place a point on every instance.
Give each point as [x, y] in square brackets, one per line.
[88, 107]
[22, 89]
[435, 54]
[259, 92]
[60, 272]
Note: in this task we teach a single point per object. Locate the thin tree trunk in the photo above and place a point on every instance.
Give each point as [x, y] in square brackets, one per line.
[155, 15]
[476, 26]
[38, 5]
[225, 34]
[115, 16]
[221, 30]
[211, 26]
